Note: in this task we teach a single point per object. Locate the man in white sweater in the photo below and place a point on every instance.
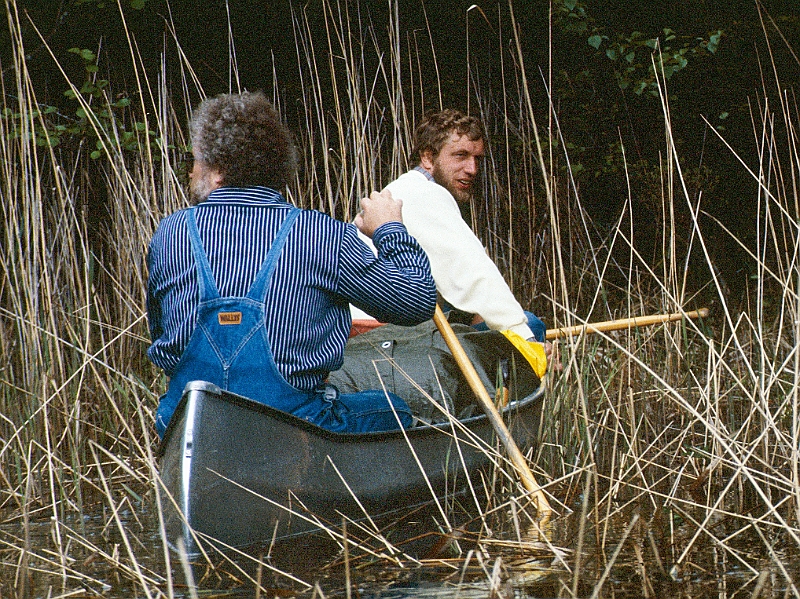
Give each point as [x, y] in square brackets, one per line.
[448, 148]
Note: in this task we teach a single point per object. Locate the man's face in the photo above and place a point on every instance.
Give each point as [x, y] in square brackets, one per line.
[202, 181]
[456, 166]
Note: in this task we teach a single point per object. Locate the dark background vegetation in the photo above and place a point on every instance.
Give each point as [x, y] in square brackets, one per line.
[603, 91]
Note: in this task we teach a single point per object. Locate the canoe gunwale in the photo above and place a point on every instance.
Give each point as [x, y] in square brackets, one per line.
[412, 432]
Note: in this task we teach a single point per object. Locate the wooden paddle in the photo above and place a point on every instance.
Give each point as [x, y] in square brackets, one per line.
[624, 323]
[514, 454]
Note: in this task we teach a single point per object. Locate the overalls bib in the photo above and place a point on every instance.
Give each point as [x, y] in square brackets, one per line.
[229, 346]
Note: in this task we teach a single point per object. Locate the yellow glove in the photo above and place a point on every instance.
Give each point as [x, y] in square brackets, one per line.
[532, 350]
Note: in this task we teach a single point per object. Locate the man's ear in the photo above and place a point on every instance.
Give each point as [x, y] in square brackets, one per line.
[426, 160]
[217, 178]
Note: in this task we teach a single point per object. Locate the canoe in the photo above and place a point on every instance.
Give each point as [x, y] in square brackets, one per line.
[242, 474]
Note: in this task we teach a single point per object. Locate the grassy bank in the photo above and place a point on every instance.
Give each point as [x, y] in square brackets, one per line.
[670, 453]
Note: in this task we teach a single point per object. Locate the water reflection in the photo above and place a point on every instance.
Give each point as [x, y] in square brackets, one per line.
[497, 557]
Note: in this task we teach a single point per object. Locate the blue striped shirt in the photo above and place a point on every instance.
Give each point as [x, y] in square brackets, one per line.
[323, 268]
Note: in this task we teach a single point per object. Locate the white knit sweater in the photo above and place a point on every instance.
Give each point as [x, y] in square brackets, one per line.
[465, 275]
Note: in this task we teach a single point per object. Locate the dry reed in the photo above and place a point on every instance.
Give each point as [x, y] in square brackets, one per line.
[671, 453]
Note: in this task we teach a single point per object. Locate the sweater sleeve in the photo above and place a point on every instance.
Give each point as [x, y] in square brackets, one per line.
[465, 275]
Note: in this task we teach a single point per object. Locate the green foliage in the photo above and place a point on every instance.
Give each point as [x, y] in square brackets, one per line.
[637, 58]
[96, 118]
[28, 125]
[606, 83]
[572, 17]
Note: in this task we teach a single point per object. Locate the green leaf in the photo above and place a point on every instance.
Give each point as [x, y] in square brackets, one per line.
[612, 54]
[595, 41]
[713, 41]
[96, 154]
[138, 4]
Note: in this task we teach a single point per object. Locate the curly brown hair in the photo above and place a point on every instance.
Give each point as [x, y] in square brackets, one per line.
[437, 126]
[242, 136]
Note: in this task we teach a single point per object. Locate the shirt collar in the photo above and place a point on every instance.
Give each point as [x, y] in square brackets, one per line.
[425, 172]
[244, 195]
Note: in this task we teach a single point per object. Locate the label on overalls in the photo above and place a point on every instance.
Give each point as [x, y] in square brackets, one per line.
[226, 318]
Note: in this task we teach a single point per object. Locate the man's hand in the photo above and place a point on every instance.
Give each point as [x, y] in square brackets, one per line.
[377, 209]
[552, 362]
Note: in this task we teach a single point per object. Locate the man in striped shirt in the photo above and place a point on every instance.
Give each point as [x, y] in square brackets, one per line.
[252, 294]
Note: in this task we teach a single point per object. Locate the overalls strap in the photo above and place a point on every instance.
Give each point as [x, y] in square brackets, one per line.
[258, 289]
[205, 279]
[261, 284]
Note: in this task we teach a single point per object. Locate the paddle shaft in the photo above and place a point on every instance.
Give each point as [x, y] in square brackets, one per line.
[514, 454]
[624, 323]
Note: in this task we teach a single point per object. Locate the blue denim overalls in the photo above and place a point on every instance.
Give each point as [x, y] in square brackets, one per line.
[229, 347]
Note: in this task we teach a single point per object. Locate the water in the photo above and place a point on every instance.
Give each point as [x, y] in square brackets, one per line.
[95, 562]
[634, 555]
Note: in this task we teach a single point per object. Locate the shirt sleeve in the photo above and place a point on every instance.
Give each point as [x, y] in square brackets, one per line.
[466, 277]
[167, 304]
[395, 286]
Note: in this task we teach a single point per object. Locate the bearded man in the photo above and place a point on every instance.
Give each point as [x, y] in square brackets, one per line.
[448, 148]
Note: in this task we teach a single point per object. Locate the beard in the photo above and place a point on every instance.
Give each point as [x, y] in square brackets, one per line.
[199, 189]
[194, 198]
[460, 195]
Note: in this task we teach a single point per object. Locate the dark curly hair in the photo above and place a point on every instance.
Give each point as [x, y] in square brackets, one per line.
[242, 136]
[437, 126]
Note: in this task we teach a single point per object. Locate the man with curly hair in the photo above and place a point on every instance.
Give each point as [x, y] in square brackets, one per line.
[251, 294]
[448, 148]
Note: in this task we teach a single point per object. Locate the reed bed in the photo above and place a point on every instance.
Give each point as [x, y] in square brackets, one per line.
[670, 453]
